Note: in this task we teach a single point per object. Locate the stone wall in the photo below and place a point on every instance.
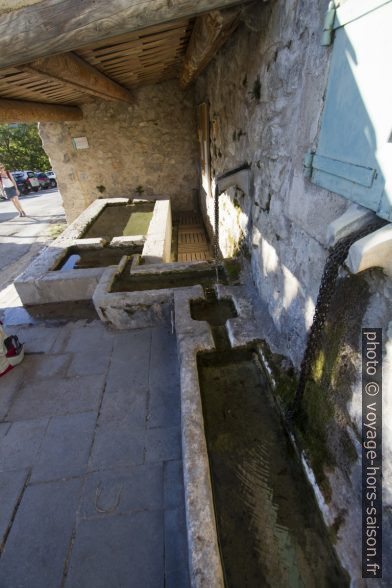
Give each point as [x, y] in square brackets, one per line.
[150, 145]
[265, 90]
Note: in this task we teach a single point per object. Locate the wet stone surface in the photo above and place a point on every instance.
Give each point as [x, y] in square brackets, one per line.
[216, 313]
[91, 483]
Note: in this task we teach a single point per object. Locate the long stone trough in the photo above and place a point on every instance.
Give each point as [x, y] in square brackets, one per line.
[40, 283]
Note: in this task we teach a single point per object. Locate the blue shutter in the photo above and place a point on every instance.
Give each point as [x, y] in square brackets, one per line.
[354, 151]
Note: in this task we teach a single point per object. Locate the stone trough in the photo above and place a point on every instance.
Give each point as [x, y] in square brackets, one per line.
[43, 281]
[270, 479]
[193, 337]
[144, 294]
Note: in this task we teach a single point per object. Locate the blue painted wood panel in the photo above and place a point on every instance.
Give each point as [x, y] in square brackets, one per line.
[354, 152]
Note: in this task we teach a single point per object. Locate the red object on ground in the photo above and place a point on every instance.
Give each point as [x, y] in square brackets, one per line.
[8, 369]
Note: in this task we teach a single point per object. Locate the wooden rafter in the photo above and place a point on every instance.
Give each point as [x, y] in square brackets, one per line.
[73, 71]
[209, 34]
[12, 111]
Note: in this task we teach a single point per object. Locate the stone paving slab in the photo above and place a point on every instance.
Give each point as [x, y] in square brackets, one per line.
[12, 382]
[125, 408]
[130, 363]
[163, 444]
[164, 410]
[39, 539]
[20, 445]
[91, 361]
[123, 490]
[57, 396]
[91, 487]
[111, 552]
[55, 365]
[65, 448]
[38, 339]
[82, 340]
[117, 446]
[11, 487]
[173, 484]
[176, 550]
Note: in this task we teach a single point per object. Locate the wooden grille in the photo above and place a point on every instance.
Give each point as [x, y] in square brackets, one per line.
[193, 244]
[143, 57]
[27, 86]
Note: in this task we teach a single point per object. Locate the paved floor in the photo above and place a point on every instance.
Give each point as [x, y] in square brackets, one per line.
[21, 239]
[91, 486]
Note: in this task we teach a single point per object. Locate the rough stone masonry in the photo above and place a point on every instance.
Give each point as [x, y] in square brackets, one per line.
[145, 149]
[265, 91]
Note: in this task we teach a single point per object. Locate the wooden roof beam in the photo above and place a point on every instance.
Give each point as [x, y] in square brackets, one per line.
[13, 111]
[55, 26]
[209, 34]
[72, 70]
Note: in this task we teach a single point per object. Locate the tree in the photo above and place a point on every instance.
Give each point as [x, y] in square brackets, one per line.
[21, 148]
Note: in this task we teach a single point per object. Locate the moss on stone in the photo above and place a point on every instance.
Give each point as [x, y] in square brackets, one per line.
[284, 377]
[232, 269]
[320, 427]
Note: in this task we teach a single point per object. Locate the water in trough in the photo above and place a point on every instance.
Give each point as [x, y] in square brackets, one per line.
[270, 529]
[118, 220]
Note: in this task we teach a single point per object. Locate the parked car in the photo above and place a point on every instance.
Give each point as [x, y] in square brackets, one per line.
[23, 184]
[52, 177]
[44, 181]
[26, 181]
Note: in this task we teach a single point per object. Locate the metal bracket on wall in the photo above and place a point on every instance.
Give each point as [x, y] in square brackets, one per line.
[329, 20]
[308, 164]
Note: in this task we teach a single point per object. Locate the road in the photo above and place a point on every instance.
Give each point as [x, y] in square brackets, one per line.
[21, 239]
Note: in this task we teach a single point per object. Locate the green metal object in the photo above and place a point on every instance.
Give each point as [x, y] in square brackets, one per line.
[326, 38]
[308, 164]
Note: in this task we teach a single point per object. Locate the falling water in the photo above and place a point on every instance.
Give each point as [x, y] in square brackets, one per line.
[327, 287]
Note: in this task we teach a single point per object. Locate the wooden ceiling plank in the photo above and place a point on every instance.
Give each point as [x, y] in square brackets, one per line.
[139, 34]
[138, 50]
[183, 32]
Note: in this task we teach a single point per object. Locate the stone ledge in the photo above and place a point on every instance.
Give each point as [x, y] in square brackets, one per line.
[129, 310]
[374, 250]
[204, 558]
[157, 248]
[353, 219]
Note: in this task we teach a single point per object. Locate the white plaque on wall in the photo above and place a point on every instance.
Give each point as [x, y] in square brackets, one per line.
[80, 142]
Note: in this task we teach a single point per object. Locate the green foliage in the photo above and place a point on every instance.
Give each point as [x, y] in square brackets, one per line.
[21, 148]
